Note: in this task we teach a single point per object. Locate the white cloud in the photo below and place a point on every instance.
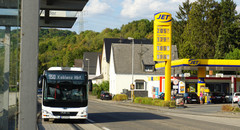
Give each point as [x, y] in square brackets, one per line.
[147, 8]
[238, 6]
[95, 7]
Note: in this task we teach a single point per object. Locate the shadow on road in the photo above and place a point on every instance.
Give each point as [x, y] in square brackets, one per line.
[124, 116]
[74, 121]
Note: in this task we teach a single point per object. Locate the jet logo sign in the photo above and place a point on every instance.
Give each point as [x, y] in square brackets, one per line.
[193, 62]
[163, 17]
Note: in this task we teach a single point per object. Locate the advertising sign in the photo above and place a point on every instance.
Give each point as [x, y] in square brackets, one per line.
[193, 62]
[181, 87]
[192, 88]
[175, 81]
[162, 36]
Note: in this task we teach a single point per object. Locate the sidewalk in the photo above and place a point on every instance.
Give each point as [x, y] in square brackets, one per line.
[192, 109]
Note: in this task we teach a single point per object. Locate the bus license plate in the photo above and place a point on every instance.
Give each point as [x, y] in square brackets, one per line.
[65, 117]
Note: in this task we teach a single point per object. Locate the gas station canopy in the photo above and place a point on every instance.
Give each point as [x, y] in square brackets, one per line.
[210, 64]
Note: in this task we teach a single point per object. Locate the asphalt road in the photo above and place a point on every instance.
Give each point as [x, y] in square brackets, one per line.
[109, 115]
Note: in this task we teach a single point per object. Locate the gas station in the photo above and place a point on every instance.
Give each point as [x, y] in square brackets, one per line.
[162, 55]
[206, 81]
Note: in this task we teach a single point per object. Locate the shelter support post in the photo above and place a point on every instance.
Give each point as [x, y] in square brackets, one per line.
[28, 65]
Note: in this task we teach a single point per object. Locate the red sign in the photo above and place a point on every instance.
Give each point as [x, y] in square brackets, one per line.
[232, 79]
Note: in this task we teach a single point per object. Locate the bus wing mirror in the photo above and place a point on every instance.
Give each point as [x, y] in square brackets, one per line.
[40, 81]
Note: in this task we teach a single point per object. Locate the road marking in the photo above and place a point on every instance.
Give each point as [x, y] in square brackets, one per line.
[91, 121]
[105, 128]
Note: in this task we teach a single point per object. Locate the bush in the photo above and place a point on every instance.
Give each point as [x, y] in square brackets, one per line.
[138, 100]
[155, 102]
[120, 97]
[97, 88]
[227, 108]
[165, 104]
[236, 109]
[147, 101]
[172, 104]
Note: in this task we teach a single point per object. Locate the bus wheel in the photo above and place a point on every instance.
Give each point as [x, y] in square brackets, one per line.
[46, 119]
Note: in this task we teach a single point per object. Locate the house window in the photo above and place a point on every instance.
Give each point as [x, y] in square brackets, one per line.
[139, 85]
[148, 68]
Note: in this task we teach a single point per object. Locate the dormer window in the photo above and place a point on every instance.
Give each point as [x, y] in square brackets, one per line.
[148, 68]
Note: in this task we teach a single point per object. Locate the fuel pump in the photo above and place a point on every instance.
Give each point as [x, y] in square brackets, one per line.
[206, 95]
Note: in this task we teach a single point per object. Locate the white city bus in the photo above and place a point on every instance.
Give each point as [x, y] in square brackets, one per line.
[65, 93]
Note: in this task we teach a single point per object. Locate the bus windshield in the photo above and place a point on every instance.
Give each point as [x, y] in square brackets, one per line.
[65, 93]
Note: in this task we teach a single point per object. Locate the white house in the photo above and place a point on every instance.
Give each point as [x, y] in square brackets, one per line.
[90, 60]
[120, 71]
[106, 52]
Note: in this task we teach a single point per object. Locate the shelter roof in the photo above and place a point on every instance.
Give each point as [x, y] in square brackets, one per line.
[47, 18]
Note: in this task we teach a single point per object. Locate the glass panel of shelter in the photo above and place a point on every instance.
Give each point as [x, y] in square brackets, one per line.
[9, 64]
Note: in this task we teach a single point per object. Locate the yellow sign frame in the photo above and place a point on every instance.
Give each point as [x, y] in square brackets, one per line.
[162, 46]
[162, 37]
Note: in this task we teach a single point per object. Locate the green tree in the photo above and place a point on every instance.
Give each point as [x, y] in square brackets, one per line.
[137, 29]
[234, 55]
[180, 23]
[229, 33]
[200, 33]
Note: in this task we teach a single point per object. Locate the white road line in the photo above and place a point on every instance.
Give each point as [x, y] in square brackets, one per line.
[91, 121]
[105, 128]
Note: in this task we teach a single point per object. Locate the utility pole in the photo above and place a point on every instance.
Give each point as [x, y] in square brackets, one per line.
[132, 85]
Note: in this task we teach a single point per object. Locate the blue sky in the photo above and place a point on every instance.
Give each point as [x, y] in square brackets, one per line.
[100, 14]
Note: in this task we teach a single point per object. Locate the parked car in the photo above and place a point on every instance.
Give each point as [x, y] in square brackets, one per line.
[228, 97]
[236, 95]
[105, 95]
[217, 97]
[161, 96]
[191, 97]
[238, 102]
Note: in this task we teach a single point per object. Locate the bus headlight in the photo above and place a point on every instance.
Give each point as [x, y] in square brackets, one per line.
[83, 112]
[45, 112]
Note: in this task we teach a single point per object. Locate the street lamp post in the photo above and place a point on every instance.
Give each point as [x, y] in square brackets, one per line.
[132, 85]
[88, 64]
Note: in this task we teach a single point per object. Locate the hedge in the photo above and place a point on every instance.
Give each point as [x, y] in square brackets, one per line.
[155, 102]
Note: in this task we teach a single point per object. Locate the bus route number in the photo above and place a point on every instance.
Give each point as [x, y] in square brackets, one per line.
[52, 76]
